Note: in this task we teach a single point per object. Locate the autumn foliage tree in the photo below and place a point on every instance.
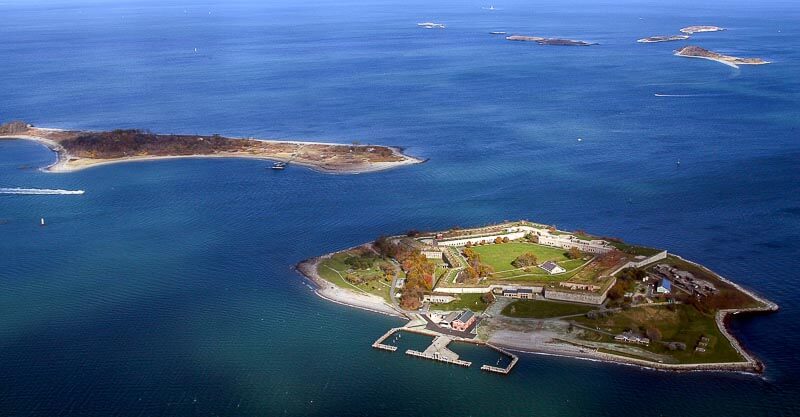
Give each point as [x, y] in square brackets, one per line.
[524, 260]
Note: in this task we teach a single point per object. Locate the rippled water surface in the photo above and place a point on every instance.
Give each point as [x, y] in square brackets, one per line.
[167, 288]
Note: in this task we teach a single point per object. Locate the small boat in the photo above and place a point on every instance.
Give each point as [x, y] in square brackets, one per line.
[42, 222]
[279, 165]
[497, 32]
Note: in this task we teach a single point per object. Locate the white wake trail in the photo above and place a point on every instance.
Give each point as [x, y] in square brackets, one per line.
[39, 191]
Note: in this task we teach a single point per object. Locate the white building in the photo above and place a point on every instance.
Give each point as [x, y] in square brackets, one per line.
[552, 267]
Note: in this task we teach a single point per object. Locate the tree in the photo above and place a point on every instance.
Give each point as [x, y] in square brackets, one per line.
[653, 334]
[498, 240]
[487, 297]
[525, 260]
[574, 253]
[617, 291]
[505, 239]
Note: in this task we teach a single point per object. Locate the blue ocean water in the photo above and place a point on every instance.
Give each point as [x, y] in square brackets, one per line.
[167, 288]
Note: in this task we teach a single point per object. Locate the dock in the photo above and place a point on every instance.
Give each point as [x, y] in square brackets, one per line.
[497, 369]
[438, 351]
[378, 344]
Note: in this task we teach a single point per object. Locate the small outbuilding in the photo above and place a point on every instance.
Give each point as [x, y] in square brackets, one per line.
[552, 267]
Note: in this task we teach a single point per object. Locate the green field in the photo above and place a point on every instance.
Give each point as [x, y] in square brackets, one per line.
[685, 324]
[539, 309]
[466, 301]
[500, 256]
[334, 269]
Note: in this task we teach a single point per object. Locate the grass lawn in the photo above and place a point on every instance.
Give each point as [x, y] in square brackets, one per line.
[334, 269]
[685, 324]
[467, 301]
[499, 256]
[539, 309]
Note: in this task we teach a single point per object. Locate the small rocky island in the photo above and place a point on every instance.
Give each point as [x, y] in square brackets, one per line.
[531, 287]
[548, 41]
[83, 149]
[689, 30]
[732, 61]
[663, 38]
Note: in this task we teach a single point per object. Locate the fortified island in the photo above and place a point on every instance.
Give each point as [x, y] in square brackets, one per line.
[548, 41]
[524, 286]
[83, 149]
[732, 61]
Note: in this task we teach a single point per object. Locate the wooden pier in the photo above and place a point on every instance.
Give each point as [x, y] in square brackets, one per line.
[497, 369]
[378, 344]
[444, 359]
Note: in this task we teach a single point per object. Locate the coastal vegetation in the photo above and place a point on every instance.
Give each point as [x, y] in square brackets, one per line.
[81, 149]
[675, 327]
[360, 270]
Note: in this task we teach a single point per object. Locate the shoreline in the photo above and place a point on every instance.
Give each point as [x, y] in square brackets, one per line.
[66, 163]
[331, 292]
[556, 347]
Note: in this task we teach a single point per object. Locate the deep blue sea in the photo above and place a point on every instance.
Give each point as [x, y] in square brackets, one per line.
[168, 290]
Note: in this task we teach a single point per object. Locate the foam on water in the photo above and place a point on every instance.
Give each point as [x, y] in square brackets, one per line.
[39, 191]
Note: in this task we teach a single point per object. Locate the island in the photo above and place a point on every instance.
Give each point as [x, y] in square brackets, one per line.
[698, 52]
[690, 30]
[530, 287]
[663, 38]
[548, 41]
[83, 149]
[431, 25]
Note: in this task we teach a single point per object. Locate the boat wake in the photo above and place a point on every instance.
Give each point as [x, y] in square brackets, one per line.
[39, 191]
[682, 95]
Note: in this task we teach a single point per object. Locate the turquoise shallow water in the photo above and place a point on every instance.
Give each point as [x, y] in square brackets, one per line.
[167, 288]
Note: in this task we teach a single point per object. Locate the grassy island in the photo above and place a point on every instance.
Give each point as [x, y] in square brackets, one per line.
[663, 38]
[548, 41]
[83, 149]
[531, 287]
[732, 61]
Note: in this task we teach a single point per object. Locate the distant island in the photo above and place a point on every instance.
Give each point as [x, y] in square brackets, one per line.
[431, 25]
[83, 149]
[531, 287]
[698, 52]
[689, 30]
[663, 38]
[548, 41]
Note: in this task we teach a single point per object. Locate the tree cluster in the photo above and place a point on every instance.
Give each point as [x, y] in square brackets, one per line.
[475, 269]
[122, 143]
[525, 260]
